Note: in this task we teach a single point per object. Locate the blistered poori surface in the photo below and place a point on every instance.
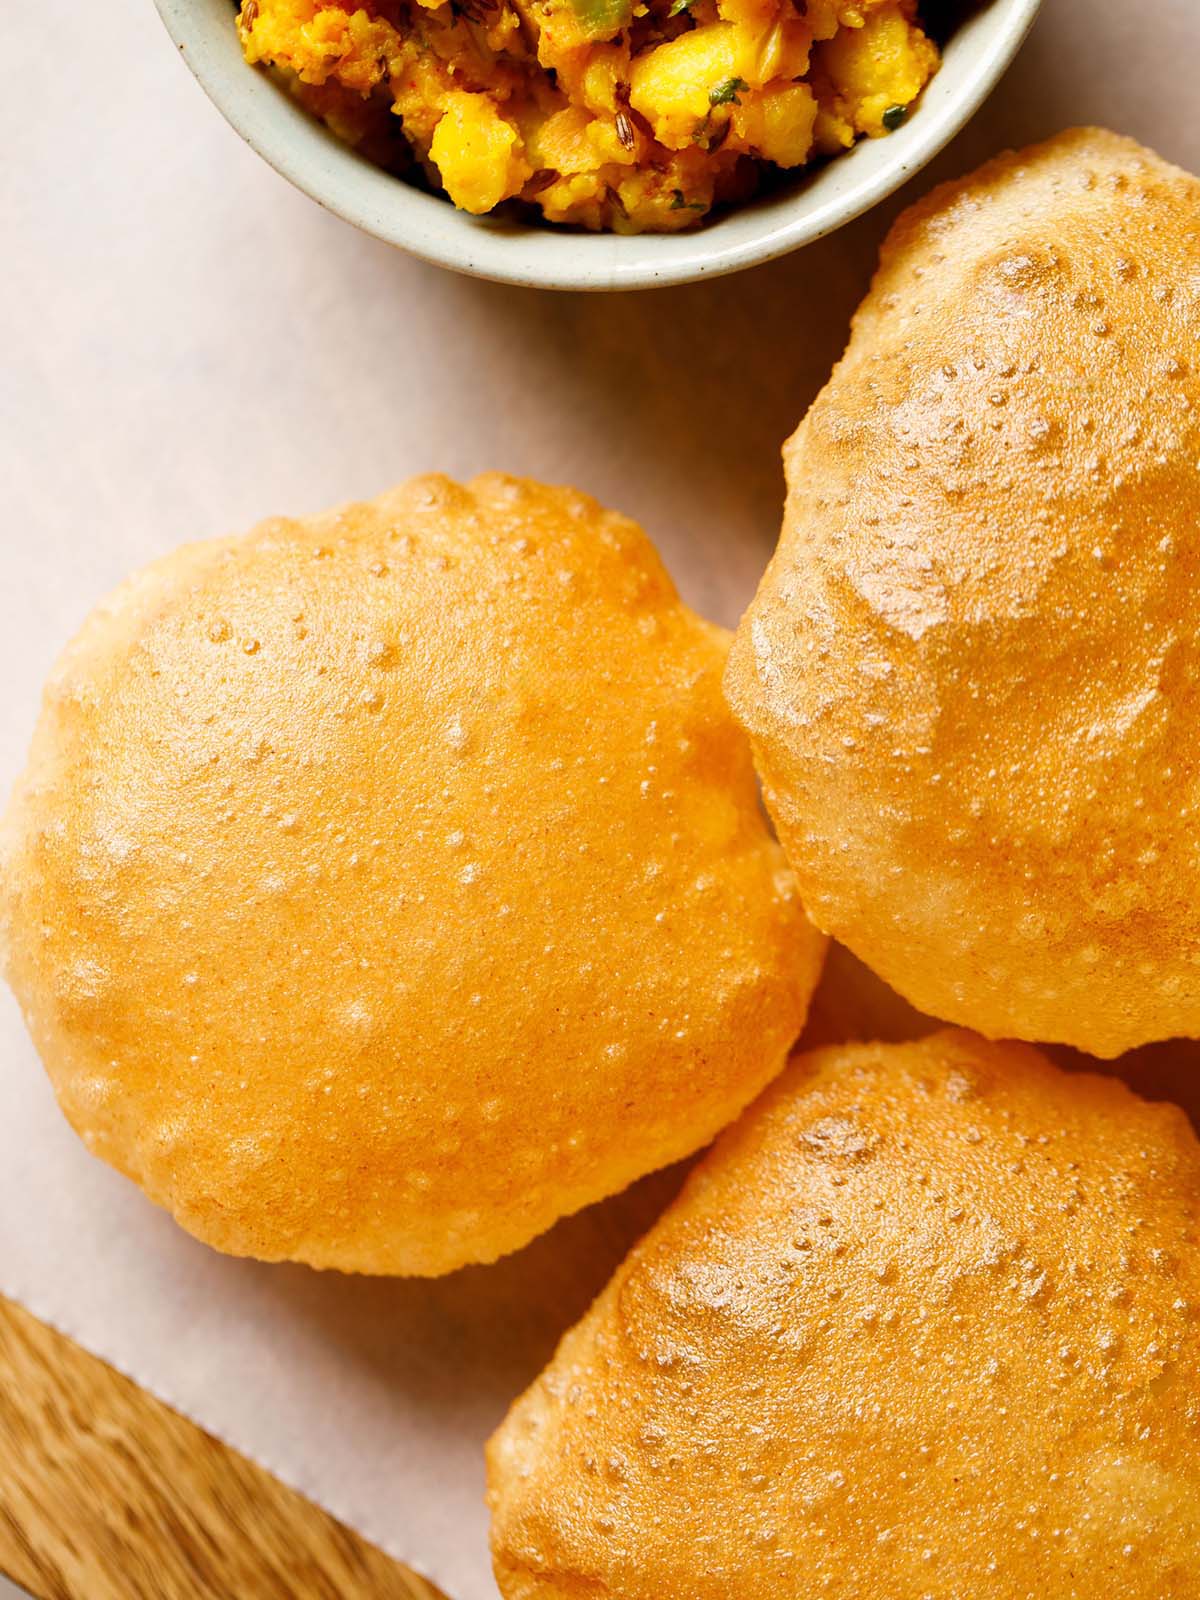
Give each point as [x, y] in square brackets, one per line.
[925, 1323]
[972, 671]
[385, 885]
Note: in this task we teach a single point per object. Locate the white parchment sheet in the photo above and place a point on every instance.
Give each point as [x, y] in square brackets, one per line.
[187, 345]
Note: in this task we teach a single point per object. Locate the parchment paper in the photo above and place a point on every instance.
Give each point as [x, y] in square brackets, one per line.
[188, 345]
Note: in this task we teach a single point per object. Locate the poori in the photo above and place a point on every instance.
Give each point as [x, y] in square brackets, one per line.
[926, 1322]
[971, 673]
[387, 884]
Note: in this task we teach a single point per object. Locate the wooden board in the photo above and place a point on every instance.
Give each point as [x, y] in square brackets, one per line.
[106, 1494]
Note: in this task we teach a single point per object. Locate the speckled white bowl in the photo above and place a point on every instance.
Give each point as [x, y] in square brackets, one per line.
[300, 148]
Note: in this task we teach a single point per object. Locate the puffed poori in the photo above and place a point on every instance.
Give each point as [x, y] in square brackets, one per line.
[385, 885]
[925, 1323]
[972, 671]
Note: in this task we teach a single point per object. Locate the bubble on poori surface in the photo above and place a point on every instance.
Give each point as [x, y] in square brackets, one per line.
[387, 884]
[925, 1322]
[972, 671]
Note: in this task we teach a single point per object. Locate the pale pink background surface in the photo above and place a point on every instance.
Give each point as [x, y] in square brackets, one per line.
[189, 345]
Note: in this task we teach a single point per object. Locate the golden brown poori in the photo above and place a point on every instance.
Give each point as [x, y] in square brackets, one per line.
[387, 884]
[926, 1322]
[972, 671]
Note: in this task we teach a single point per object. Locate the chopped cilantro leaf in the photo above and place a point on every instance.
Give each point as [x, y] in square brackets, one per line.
[727, 93]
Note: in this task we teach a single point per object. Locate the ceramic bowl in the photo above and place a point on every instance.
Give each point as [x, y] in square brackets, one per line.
[511, 251]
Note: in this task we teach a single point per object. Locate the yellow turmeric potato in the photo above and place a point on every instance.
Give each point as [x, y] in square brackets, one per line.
[679, 104]
[386, 885]
[926, 1323]
[672, 86]
[476, 152]
[779, 123]
[871, 71]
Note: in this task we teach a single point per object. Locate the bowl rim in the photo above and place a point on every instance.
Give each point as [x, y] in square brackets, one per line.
[302, 150]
